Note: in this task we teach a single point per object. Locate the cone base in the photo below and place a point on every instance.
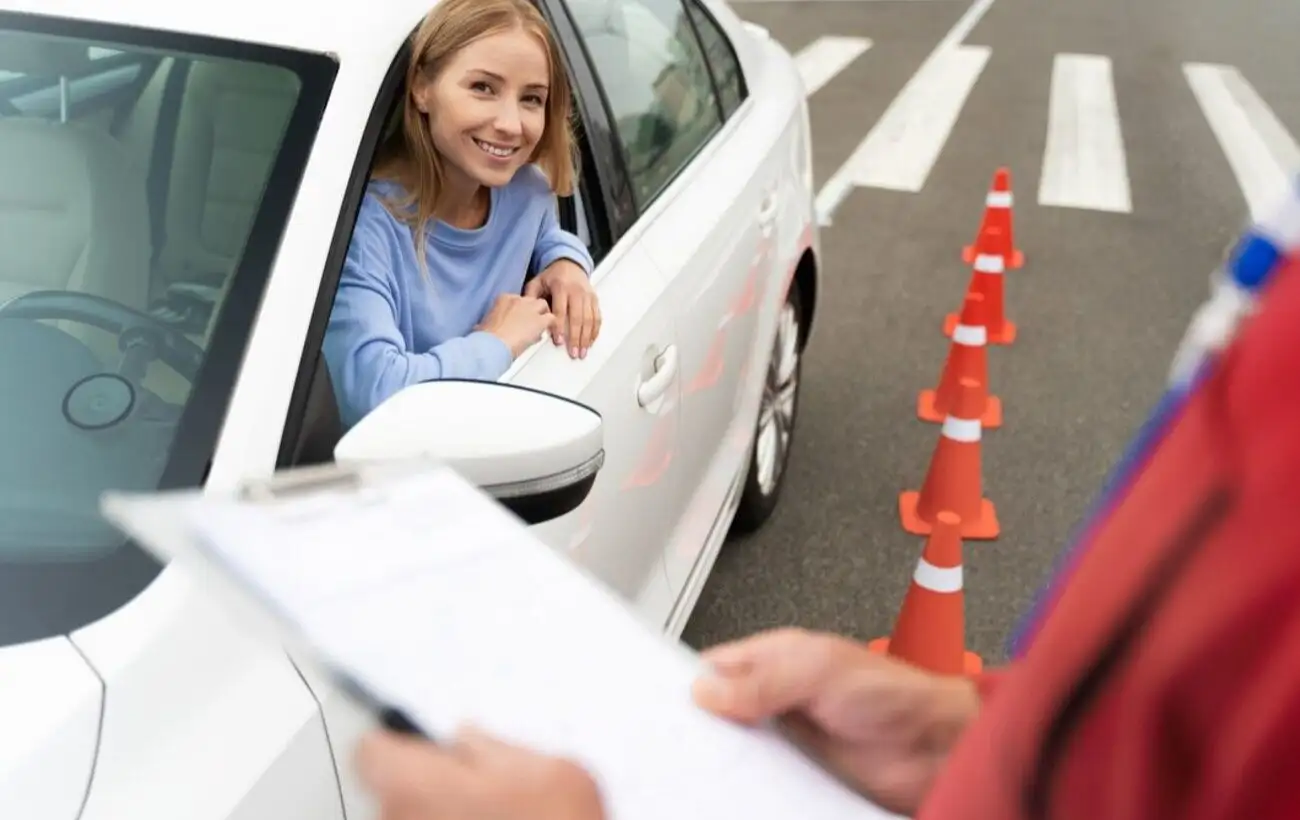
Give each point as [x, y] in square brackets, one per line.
[972, 664]
[925, 410]
[1016, 261]
[984, 528]
[1004, 335]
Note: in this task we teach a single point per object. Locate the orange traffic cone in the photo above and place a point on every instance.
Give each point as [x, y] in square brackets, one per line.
[967, 358]
[987, 278]
[998, 206]
[931, 628]
[953, 481]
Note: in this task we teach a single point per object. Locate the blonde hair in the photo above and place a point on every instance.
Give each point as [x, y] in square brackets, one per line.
[408, 155]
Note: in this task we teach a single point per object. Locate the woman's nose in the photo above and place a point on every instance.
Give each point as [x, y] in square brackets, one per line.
[508, 120]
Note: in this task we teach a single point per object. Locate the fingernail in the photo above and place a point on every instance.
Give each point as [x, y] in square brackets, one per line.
[573, 351]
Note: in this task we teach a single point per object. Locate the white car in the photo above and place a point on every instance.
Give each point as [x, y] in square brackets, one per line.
[178, 183]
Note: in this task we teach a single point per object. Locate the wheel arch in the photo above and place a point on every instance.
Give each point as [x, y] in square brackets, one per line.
[806, 280]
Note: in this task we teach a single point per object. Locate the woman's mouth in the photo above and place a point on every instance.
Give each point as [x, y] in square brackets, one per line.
[494, 150]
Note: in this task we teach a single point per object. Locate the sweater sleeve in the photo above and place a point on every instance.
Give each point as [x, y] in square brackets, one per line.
[363, 347]
[555, 243]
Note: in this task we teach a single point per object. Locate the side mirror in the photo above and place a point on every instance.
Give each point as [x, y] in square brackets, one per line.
[536, 453]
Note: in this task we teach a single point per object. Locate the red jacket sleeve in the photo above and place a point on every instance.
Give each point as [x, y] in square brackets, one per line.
[986, 682]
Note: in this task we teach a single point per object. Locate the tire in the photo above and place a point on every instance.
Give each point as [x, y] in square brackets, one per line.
[777, 416]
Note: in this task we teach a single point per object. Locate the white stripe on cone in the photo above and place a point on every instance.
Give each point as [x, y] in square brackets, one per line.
[970, 335]
[998, 199]
[966, 431]
[937, 579]
[989, 263]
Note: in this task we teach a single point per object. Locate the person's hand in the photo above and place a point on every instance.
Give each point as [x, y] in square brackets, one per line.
[883, 726]
[477, 777]
[519, 321]
[573, 301]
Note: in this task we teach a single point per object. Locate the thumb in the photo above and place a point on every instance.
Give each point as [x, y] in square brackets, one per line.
[773, 672]
[473, 742]
[534, 288]
[390, 765]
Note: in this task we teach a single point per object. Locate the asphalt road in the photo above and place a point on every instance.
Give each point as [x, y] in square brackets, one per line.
[1101, 302]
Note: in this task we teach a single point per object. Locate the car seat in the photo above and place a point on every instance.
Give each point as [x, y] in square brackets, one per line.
[76, 215]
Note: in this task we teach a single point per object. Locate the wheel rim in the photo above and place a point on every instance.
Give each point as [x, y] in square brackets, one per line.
[777, 409]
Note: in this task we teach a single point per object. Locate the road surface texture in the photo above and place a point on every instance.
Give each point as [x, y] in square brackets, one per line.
[1140, 135]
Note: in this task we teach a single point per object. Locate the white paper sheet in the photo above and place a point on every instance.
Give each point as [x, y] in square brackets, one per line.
[443, 605]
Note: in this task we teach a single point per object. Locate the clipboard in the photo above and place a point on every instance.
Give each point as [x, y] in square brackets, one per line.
[456, 613]
[156, 522]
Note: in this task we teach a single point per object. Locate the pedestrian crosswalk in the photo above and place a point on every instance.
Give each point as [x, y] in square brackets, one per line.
[1085, 163]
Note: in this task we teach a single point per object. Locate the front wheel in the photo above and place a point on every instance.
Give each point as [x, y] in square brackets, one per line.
[778, 410]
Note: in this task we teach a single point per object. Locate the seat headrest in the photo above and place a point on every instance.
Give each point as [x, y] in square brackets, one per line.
[31, 54]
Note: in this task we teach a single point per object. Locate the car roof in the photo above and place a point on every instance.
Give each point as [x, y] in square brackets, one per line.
[340, 27]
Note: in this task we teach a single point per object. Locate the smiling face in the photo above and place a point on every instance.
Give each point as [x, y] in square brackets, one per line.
[486, 109]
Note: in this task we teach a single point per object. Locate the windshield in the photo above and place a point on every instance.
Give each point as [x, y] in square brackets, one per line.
[145, 179]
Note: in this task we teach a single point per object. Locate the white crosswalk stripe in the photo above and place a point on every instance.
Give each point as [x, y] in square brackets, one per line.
[900, 151]
[826, 57]
[1258, 148]
[1085, 165]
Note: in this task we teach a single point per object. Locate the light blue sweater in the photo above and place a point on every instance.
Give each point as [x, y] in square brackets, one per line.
[392, 327]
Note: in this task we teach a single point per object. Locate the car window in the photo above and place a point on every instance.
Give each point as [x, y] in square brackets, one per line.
[656, 83]
[136, 199]
[721, 56]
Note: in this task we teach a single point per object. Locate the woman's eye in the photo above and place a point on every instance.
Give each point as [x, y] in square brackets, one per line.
[533, 99]
[481, 86]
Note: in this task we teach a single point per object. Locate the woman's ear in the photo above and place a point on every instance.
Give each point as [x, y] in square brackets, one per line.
[421, 93]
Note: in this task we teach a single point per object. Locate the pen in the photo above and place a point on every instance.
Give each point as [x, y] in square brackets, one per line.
[390, 717]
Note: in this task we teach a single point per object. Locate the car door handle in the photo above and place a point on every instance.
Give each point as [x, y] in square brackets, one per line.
[768, 207]
[655, 385]
[767, 213]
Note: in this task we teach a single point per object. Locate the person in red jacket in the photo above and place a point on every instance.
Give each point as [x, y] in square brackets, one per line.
[1163, 682]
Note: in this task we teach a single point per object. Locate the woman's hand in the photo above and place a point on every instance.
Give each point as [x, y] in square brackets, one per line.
[477, 777]
[573, 301]
[519, 321]
[882, 725]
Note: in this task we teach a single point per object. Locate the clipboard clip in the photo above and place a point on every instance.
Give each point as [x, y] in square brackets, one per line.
[298, 482]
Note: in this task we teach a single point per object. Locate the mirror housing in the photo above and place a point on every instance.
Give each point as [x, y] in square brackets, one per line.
[536, 453]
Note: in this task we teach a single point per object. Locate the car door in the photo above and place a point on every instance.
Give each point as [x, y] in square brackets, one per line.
[706, 196]
[631, 376]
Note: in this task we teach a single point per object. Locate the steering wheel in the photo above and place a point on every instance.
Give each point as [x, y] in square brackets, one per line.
[136, 331]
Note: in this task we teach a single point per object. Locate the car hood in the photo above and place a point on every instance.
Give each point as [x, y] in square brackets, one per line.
[50, 704]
